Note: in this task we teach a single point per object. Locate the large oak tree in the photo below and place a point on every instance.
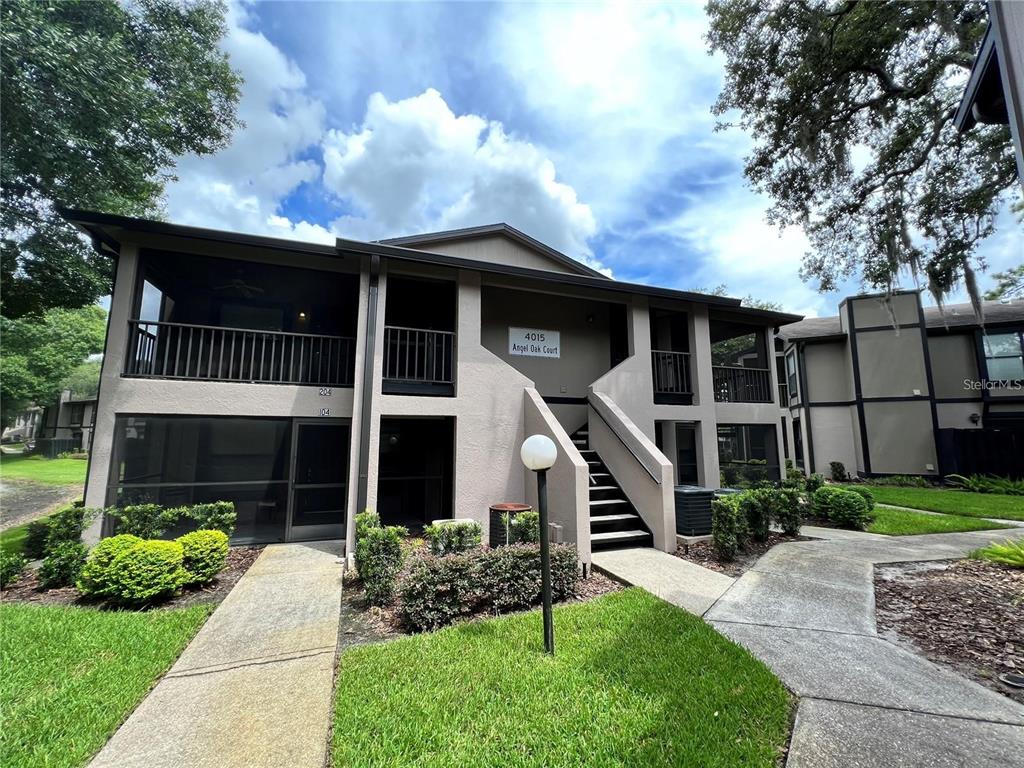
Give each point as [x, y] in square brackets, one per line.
[850, 106]
[98, 100]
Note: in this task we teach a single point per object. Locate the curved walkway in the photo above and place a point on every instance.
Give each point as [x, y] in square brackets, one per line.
[807, 610]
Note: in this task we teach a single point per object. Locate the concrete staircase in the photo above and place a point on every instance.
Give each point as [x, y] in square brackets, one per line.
[614, 522]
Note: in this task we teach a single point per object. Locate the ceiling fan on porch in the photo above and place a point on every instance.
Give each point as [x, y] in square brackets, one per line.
[239, 286]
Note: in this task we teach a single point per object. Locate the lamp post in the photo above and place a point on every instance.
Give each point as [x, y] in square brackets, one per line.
[538, 454]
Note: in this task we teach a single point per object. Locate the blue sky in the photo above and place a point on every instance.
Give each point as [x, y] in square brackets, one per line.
[586, 126]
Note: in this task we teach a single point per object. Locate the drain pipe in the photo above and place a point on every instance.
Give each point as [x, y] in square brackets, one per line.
[369, 348]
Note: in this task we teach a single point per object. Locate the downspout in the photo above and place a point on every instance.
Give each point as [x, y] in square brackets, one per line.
[367, 391]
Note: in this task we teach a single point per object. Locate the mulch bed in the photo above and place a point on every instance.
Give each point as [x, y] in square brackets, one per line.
[27, 590]
[376, 624]
[968, 614]
[703, 554]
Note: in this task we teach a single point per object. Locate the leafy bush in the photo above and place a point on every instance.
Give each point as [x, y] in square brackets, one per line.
[93, 581]
[794, 477]
[365, 520]
[728, 526]
[148, 571]
[907, 481]
[11, 566]
[865, 494]
[760, 506]
[437, 591]
[454, 537]
[524, 528]
[36, 536]
[788, 513]
[67, 524]
[510, 577]
[814, 482]
[147, 521]
[1009, 553]
[204, 554]
[843, 507]
[987, 484]
[378, 560]
[215, 516]
[838, 471]
[62, 564]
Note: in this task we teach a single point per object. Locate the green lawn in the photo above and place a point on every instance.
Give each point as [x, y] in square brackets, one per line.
[898, 522]
[952, 502]
[45, 471]
[634, 682]
[70, 676]
[13, 539]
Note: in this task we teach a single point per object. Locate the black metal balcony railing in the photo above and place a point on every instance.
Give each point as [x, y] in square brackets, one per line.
[671, 372]
[209, 353]
[419, 357]
[784, 395]
[742, 385]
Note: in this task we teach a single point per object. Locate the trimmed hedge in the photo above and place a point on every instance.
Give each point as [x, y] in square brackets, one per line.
[214, 516]
[378, 560]
[94, 579]
[147, 521]
[789, 515]
[728, 526]
[454, 537]
[149, 570]
[35, 539]
[845, 508]
[204, 554]
[437, 591]
[814, 482]
[11, 566]
[62, 565]
[865, 494]
[524, 528]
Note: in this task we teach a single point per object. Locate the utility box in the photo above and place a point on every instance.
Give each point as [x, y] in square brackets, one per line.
[693, 510]
[498, 535]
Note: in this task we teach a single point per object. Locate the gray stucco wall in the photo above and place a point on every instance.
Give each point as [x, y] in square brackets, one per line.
[496, 249]
[870, 312]
[833, 432]
[827, 372]
[900, 438]
[953, 360]
[892, 363]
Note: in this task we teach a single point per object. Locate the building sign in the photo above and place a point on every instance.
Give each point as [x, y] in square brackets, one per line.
[533, 342]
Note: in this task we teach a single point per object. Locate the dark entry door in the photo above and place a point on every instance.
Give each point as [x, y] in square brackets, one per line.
[319, 481]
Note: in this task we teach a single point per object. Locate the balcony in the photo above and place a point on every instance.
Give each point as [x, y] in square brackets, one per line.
[671, 377]
[159, 350]
[418, 361]
[734, 384]
[784, 395]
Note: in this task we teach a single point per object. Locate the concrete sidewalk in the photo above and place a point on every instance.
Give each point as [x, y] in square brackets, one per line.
[254, 687]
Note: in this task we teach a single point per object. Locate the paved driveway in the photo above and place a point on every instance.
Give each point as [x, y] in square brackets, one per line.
[807, 610]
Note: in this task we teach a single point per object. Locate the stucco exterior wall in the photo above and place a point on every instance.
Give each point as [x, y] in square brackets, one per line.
[828, 379]
[834, 438]
[870, 311]
[892, 363]
[958, 415]
[496, 249]
[953, 360]
[900, 438]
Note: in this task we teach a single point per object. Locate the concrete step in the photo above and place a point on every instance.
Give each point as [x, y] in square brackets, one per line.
[604, 487]
[607, 502]
[594, 519]
[614, 537]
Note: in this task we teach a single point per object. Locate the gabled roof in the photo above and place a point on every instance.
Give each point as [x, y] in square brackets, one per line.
[490, 230]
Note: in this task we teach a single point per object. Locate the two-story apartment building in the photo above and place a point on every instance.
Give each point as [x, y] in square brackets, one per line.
[891, 387]
[305, 382]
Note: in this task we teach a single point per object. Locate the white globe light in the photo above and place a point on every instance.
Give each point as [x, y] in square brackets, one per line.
[538, 452]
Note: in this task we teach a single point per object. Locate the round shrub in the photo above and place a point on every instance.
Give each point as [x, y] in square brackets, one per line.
[814, 482]
[788, 513]
[378, 560]
[11, 566]
[148, 571]
[38, 533]
[510, 577]
[437, 591]
[204, 554]
[450, 538]
[94, 579]
[728, 526]
[62, 565]
[524, 528]
[865, 494]
[843, 507]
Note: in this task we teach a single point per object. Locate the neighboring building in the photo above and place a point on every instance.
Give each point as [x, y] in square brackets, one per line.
[304, 382]
[995, 90]
[890, 388]
[25, 426]
[67, 424]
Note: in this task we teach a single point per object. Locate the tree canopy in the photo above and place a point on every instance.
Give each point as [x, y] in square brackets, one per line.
[39, 354]
[850, 106]
[1009, 284]
[98, 99]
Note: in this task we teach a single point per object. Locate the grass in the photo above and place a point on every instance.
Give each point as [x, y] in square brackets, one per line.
[71, 675]
[634, 682]
[42, 470]
[13, 539]
[952, 502]
[899, 522]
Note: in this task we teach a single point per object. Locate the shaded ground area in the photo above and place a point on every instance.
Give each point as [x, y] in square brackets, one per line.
[27, 589]
[703, 554]
[968, 614]
[22, 501]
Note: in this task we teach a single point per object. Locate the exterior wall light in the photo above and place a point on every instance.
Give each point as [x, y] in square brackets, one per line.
[538, 454]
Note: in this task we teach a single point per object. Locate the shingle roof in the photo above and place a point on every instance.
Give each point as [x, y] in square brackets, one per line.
[951, 316]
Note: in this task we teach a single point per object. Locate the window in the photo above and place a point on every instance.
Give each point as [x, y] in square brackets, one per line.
[791, 373]
[1004, 358]
[798, 443]
[77, 414]
[747, 454]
